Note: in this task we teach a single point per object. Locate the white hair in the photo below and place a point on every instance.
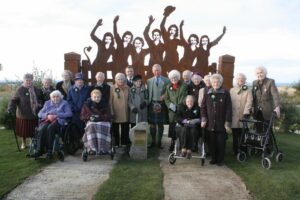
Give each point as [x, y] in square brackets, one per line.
[120, 76]
[156, 66]
[241, 75]
[56, 93]
[217, 77]
[100, 74]
[174, 73]
[67, 72]
[47, 79]
[187, 72]
[262, 68]
[190, 97]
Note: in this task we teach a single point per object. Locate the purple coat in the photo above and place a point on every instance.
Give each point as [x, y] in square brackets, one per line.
[216, 109]
[62, 110]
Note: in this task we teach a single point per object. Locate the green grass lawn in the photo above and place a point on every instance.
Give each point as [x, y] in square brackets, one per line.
[132, 179]
[282, 181]
[14, 166]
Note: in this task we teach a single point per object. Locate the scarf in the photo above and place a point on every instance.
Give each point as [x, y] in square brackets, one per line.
[33, 100]
[174, 86]
[66, 86]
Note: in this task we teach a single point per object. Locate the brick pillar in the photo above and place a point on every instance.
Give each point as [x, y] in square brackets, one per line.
[72, 62]
[226, 69]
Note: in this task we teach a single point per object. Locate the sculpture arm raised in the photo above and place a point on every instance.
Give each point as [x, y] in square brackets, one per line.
[116, 34]
[216, 41]
[146, 31]
[93, 35]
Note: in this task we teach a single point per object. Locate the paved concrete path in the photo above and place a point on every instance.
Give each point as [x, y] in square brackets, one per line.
[71, 179]
[188, 180]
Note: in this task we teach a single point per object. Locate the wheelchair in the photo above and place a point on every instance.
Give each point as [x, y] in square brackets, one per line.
[57, 150]
[104, 141]
[177, 148]
[260, 140]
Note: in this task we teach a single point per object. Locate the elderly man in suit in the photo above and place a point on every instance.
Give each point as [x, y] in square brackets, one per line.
[157, 115]
[265, 96]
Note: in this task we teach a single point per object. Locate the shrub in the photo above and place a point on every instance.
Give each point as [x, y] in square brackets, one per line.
[5, 118]
[290, 117]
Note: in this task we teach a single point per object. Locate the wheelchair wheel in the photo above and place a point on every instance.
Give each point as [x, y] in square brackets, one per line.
[279, 157]
[61, 156]
[172, 159]
[241, 156]
[71, 139]
[266, 163]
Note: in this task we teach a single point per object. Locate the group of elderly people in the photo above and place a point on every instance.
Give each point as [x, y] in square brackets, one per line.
[192, 103]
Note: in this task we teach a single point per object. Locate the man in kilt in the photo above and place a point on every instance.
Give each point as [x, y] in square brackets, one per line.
[157, 114]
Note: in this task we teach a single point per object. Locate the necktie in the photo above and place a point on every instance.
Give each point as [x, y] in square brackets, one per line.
[157, 81]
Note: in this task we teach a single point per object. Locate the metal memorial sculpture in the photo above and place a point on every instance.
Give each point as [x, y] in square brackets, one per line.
[187, 62]
[106, 51]
[156, 46]
[171, 41]
[112, 58]
[124, 47]
[138, 57]
[204, 51]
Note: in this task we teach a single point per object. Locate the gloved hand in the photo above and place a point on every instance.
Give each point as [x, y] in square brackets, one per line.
[185, 121]
[172, 107]
[134, 110]
[203, 124]
[194, 121]
[10, 111]
[143, 105]
[277, 110]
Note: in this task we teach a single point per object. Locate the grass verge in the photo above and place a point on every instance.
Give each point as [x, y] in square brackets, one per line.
[134, 180]
[281, 181]
[14, 166]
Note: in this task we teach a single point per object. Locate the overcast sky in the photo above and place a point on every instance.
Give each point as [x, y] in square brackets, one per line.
[37, 33]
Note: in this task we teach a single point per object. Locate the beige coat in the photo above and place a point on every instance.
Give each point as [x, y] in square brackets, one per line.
[241, 104]
[119, 105]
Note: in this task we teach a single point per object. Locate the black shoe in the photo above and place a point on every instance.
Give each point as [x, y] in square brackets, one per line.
[220, 164]
[92, 152]
[171, 148]
[189, 155]
[212, 162]
[37, 154]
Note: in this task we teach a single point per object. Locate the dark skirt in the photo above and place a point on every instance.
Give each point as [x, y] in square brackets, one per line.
[25, 127]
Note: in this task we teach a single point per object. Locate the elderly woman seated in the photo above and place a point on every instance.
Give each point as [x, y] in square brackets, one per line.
[96, 115]
[188, 116]
[52, 116]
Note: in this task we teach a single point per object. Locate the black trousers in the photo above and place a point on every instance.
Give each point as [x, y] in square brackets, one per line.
[188, 137]
[217, 146]
[236, 136]
[156, 129]
[124, 133]
[46, 134]
[172, 131]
